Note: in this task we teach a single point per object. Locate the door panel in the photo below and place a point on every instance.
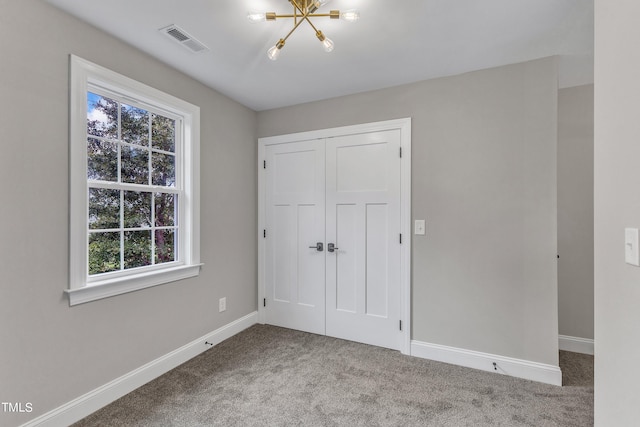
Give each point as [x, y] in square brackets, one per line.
[295, 210]
[283, 232]
[363, 220]
[377, 250]
[351, 176]
[310, 262]
[346, 219]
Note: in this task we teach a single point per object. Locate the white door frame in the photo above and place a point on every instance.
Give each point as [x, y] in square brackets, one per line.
[404, 125]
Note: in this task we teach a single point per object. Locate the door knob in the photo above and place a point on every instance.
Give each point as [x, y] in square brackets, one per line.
[318, 247]
[331, 247]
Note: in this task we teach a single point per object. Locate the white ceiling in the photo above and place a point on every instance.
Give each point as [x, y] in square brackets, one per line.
[394, 42]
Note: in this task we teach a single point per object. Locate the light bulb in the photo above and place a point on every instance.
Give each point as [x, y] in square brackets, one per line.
[328, 44]
[273, 53]
[317, 4]
[351, 15]
[254, 16]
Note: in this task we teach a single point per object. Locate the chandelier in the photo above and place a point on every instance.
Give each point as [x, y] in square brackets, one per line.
[302, 11]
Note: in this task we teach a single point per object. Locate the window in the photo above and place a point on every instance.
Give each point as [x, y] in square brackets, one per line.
[134, 185]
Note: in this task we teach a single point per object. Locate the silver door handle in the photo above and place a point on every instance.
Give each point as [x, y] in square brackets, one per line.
[332, 247]
[318, 247]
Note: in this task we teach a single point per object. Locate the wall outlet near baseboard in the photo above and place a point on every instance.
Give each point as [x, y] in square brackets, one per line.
[222, 304]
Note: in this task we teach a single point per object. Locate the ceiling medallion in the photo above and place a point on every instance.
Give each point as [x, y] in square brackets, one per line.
[302, 11]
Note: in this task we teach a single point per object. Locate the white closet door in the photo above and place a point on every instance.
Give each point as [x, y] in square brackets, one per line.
[363, 222]
[295, 210]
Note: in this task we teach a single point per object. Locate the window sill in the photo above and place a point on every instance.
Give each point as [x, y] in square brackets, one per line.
[136, 282]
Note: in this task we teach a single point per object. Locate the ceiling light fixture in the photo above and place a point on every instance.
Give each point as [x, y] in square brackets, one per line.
[302, 11]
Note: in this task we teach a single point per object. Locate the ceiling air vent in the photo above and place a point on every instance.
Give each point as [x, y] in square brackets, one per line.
[180, 36]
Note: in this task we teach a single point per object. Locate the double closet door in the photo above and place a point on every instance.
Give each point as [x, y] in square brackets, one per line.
[332, 249]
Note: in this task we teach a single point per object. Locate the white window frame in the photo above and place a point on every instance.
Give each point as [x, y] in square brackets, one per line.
[85, 76]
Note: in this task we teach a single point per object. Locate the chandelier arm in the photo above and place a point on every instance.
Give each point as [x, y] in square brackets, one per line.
[311, 15]
[297, 25]
[296, 5]
[295, 14]
[306, 15]
[296, 8]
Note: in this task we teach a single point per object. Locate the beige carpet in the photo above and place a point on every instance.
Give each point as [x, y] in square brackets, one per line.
[268, 376]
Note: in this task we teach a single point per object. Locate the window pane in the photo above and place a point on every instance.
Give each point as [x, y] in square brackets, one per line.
[104, 252]
[104, 208]
[137, 209]
[102, 116]
[164, 169]
[165, 246]
[165, 205]
[163, 133]
[102, 160]
[137, 249]
[135, 125]
[135, 165]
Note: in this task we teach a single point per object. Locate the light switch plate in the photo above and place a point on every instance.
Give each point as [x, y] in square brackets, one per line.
[631, 252]
[420, 227]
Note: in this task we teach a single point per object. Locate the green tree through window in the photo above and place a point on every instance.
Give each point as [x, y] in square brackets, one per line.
[132, 196]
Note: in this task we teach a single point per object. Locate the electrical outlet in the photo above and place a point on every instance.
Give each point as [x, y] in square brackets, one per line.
[222, 304]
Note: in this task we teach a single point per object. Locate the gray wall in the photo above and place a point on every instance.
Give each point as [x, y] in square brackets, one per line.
[617, 205]
[51, 353]
[575, 211]
[484, 178]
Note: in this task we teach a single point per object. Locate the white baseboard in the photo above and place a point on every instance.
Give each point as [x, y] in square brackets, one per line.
[576, 345]
[534, 371]
[84, 405]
